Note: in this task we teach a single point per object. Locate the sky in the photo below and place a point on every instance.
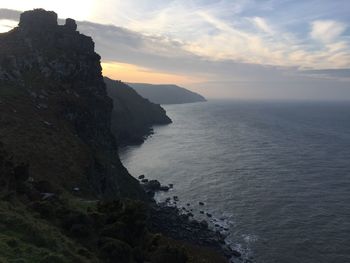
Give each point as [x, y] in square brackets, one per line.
[243, 49]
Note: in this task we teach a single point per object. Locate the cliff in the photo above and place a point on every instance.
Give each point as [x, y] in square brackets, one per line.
[55, 115]
[133, 116]
[166, 94]
[64, 194]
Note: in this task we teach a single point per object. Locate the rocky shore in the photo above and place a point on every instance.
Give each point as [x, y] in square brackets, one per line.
[179, 223]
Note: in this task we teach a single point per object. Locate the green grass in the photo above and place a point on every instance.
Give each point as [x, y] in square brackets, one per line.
[25, 237]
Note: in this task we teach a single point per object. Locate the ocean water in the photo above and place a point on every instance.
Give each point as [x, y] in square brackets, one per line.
[277, 174]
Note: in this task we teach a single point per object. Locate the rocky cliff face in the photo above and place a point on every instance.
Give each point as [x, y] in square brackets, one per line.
[133, 116]
[54, 110]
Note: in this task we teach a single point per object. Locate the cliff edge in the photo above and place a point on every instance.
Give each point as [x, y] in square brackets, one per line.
[55, 115]
[64, 194]
[133, 116]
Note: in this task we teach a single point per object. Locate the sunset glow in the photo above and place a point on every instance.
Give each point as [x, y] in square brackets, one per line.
[245, 49]
[133, 73]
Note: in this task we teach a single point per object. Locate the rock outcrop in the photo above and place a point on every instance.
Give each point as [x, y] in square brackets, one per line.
[133, 116]
[55, 114]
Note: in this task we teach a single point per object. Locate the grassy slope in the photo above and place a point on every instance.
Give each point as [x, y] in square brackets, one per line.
[38, 233]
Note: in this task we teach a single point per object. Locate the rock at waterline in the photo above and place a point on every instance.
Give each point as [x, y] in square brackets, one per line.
[236, 253]
[142, 176]
[204, 224]
[153, 185]
[164, 188]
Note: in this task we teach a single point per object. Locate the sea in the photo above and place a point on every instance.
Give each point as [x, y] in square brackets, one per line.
[275, 176]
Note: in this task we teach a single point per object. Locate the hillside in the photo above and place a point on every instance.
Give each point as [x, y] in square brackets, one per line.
[64, 194]
[133, 116]
[55, 114]
[166, 94]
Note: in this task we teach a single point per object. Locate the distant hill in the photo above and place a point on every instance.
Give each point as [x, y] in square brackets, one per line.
[166, 94]
[132, 115]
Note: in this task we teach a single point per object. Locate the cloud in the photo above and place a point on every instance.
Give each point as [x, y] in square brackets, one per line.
[235, 30]
[227, 62]
[326, 30]
[262, 25]
[9, 14]
[275, 48]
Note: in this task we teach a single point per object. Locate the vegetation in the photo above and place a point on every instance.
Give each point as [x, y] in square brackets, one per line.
[57, 231]
[132, 115]
[58, 156]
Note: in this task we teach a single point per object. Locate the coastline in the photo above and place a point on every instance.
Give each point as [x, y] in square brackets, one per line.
[181, 225]
[88, 208]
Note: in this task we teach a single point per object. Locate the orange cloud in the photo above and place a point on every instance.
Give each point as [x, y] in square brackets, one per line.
[132, 73]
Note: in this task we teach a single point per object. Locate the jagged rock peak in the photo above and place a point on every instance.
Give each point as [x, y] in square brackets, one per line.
[42, 20]
[71, 24]
[38, 19]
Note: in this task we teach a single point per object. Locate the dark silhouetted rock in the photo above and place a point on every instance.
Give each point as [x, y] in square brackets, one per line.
[152, 185]
[55, 75]
[38, 20]
[190, 214]
[133, 116]
[70, 24]
[164, 188]
[204, 224]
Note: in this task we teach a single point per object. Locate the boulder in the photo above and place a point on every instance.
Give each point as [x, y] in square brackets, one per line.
[153, 185]
[164, 188]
